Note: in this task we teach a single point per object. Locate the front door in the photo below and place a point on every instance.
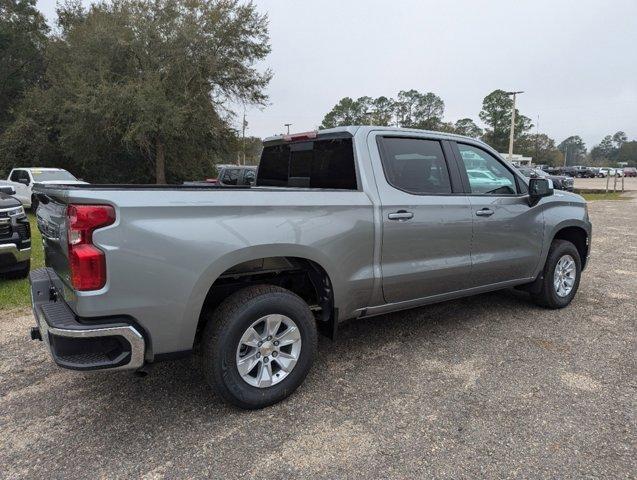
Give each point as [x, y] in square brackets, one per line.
[426, 221]
[507, 232]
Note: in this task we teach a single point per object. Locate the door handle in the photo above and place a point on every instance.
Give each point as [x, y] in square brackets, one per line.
[400, 215]
[485, 212]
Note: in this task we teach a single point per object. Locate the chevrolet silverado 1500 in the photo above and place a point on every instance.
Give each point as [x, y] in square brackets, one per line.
[342, 223]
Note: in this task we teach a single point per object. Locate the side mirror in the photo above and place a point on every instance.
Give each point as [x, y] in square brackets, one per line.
[538, 188]
[7, 190]
[24, 181]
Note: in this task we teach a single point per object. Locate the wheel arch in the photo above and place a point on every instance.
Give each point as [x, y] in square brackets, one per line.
[269, 264]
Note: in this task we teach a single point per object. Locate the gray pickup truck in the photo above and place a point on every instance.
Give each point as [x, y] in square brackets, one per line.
[342, 223]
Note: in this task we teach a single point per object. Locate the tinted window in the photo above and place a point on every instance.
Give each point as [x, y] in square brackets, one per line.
[486, 174]
[15, 175]
[315, 164]
[415, 165]
[248, 177]
[230, 176]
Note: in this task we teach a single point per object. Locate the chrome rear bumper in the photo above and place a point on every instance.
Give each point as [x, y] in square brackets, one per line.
[74, 343]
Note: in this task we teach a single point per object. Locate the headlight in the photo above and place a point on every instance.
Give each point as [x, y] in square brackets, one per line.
[16, 212]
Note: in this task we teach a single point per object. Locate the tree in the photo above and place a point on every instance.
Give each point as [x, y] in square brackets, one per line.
[466, 126]
[607, 151]
[541, 148]
[23, 36]
[150, 79]
[383, 111]
[573, 148]
[628, 153]
[619, 139]
[419, 110]
[496, 114]
[348, 112]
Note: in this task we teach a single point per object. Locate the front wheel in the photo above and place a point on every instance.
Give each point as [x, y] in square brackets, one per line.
[258, 346]
[561, 276]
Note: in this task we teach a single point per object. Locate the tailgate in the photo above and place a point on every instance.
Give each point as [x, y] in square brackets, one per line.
[51, 221]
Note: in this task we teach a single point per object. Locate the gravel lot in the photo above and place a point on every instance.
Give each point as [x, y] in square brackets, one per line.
[490, 386]
[630, 183]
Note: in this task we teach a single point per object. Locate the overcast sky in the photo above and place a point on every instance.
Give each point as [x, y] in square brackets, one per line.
[575, 60]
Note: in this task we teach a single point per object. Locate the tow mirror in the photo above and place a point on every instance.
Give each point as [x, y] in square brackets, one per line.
[538, 188]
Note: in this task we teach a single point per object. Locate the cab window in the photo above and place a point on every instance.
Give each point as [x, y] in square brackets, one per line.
[415, 165]
[486, 174]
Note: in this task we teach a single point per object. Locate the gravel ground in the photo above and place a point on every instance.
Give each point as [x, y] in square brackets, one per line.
[630, 183]
[489, 386]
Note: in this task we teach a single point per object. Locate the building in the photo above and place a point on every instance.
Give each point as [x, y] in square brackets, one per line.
[518, 159]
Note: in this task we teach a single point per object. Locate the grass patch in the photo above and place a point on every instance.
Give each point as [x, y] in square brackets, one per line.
[15, 293]
[589, 197]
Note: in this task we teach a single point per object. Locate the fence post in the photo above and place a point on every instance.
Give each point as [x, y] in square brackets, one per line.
[607, 180]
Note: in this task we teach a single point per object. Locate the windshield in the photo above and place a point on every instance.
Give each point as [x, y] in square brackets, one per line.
[51, 175]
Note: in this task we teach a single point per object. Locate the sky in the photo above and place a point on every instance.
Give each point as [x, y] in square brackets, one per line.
[576, 61]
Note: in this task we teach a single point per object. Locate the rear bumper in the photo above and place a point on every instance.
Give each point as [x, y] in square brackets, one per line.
[76, 343]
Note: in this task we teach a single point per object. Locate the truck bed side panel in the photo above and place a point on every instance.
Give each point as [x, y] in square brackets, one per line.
[165, 251]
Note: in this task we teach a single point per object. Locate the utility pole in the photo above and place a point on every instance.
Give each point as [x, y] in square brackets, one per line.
[243, 136]
[287, 125]
[512, 124]
[565, 153]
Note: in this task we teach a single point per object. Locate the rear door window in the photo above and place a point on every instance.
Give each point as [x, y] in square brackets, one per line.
[415, 165]
[322, 163]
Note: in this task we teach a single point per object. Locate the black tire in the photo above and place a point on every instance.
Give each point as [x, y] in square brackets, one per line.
[222, 335]
[547, 296]
[20, 271]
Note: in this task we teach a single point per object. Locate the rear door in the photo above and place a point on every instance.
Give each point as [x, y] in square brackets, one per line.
[426, 219]
[507, 232]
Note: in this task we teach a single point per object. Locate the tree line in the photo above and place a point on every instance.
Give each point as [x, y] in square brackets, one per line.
[130, 90]
[413, 109]
[140, 91]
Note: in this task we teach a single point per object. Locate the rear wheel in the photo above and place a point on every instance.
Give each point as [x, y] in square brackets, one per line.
[561, 276]
[258, 346]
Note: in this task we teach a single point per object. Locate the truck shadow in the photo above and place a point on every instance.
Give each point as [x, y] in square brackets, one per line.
[179, 386]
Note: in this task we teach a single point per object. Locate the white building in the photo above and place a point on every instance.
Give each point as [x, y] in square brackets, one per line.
[518, 159]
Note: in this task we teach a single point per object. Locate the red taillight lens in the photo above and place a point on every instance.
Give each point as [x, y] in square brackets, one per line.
[87, 262]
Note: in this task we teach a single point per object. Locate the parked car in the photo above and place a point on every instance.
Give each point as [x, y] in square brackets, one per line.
[553, 170]
[343, 223]
[578, 171]
[23, 180]
[612, 172]
[561, 182]
[231, 175]
[630, 171]
[15, 236]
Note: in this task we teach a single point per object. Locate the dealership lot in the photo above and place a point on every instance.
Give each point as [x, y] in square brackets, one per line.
[489, 386]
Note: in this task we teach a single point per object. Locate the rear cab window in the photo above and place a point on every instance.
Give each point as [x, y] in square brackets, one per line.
[319, 163]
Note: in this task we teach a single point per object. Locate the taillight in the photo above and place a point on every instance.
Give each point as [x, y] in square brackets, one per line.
[87, 262]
